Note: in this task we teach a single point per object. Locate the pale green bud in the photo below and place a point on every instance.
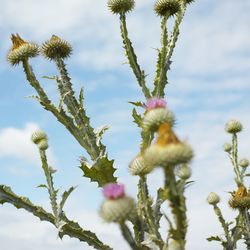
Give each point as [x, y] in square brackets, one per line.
[184, 172]
[233, 127]
[227, 147]
[167, 8]
[244, 163]
[213, 198]
[121, 6]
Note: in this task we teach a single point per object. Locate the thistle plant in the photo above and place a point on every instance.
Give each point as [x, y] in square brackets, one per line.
[139, 219]
[239, 199]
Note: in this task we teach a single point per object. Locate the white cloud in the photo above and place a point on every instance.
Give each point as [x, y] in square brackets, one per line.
[16, 143]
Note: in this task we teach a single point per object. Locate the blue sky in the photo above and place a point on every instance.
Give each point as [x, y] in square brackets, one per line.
[209, 84]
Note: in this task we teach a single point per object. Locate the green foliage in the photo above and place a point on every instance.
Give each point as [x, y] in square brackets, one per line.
[102, 171]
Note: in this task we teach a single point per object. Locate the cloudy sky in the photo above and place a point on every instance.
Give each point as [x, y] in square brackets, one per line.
[209, 84]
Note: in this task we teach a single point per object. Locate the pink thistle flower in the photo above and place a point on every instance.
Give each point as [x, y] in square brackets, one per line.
[113, 191]
[155, 103]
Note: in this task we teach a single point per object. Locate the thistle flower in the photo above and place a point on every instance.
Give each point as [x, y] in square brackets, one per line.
[213, 198]
[244, 163]
[21, 50]
[138, 166]
[167, 8]
[56, 48]
[227, 147]
[167, 150]
[155, 103]
[184, 172]
[40, 138]
[117, 207]
[121, 6]
[240, 199]
[233, 127]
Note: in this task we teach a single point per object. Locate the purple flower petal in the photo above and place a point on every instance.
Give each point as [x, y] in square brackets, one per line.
[155, 103]
[113, 191]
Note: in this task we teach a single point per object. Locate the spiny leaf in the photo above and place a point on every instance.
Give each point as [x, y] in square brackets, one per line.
[137, 104]
[137, 117]
[101, 172]
[42, 186]
[214, 238]
[65, 196]
[81, 98]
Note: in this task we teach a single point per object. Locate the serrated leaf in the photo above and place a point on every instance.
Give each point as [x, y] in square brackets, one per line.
[137, 104]
[247, 175]
[214, 238]
[101, 172]
[50, 77]
[137, 117]
[42, 186]
[65, 196]
[81, 98]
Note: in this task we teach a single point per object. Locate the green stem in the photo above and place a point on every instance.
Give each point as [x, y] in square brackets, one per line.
[67, 93]
[145, 205]
[126, 233]
[223, 224]
[50, 184]
[246, 219]
[132, 59]
[46, 103]
[178, 206]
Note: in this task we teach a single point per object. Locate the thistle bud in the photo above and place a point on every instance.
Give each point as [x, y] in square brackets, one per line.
[138, 166]
[56, 48]
[167, 8]
[117, 207]
[213, 198]
[233, 127]
[244, 163]
[227, 147]
[21, 50]
[184, 172]
[121, 6]
[38, 136]
[171, 154]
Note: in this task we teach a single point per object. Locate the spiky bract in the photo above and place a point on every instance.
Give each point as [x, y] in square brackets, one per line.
[233, 127]
[167, 8]
[56, 48]
[138, 166]
[21, 50]
[213, 198]
[155, 117]
[169, 155]
[121, 6]
[117, 210]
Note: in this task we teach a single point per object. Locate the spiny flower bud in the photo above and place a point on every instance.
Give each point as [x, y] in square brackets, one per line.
[43, 144]
[117, 207]
[38, 136]
[155, 117]
[233, 127]
[138, 166]
[244, 163]
[227, 147]
[167, 8]
[121, 6]
[213, 198]
[184, 172]
[56, 48]
[21, 50]
[171, 154]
